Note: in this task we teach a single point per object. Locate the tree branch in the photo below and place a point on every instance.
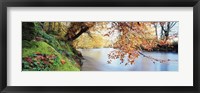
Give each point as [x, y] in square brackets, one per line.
[173, 24]
[155, 59]
[162, 27]
[83, 29]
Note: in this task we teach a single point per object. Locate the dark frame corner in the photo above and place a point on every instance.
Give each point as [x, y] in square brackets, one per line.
[101, 3]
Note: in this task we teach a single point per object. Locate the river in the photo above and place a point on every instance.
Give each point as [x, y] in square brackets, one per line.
[96, 60]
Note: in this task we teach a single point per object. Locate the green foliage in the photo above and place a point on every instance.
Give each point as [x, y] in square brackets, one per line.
[46, 51]
[48, 38]
[36, 39]
[48, 46]
[39, 46]
[27, 44]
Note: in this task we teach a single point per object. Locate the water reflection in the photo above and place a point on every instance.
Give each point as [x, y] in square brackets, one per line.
[96, 60]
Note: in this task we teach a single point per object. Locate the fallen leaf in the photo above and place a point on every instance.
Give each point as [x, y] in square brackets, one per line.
[63, 61]
[28, 59]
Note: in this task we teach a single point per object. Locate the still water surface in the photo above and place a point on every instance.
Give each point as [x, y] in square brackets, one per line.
[96, 60]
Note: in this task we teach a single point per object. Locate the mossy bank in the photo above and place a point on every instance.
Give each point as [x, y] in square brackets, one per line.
[44, 52]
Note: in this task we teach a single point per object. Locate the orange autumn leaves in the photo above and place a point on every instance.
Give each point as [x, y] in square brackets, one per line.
[134, 37]
[63, 61]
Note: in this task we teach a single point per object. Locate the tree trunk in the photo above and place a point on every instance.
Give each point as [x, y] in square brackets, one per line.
[28, 31]
[167, 31]
[155, 26]
[54, 26]
[83, 29]
[50, 26]
[60, 26]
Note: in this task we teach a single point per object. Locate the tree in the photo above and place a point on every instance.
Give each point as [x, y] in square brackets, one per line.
[132, 39]
[166, 28]
[76, 29]
[155, 24]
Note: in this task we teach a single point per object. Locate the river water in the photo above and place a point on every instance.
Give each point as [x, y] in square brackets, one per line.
[96, 60]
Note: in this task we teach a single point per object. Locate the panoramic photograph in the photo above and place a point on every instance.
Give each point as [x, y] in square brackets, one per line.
[100, 46]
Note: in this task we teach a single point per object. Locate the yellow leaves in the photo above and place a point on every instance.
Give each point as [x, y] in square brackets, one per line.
[85, 41]
[100, 26]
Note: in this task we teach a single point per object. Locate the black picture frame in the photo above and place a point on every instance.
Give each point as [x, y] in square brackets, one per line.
[100, 3]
